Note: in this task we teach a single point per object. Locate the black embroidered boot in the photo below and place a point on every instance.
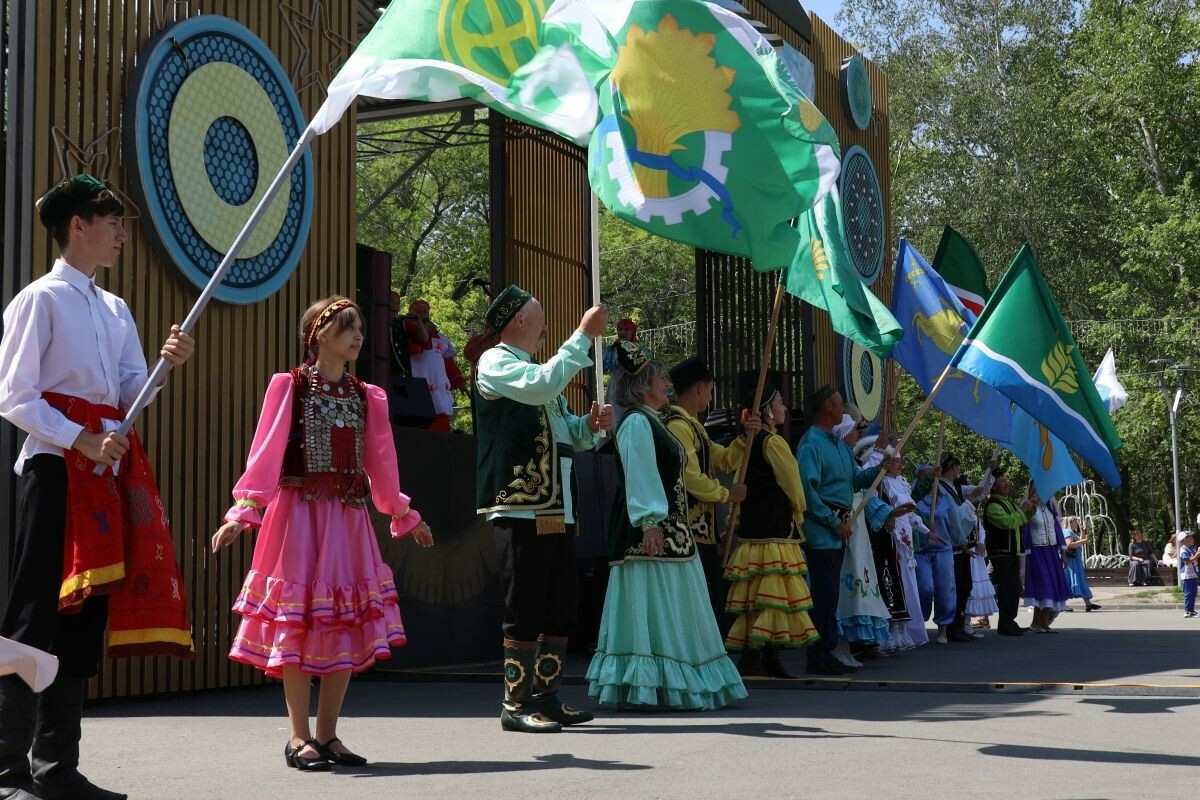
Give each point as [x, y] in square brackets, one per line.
[547, 675]
[56, 745]
[16, 737]
[518, 712]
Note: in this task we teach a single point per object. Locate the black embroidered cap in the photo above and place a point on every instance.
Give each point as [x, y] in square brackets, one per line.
[632, 358]
[66, 198]
[505, 306]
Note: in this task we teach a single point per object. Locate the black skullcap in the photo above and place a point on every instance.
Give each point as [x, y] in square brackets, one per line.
[688, 373]
[818, 398]
[505, 307]
[67, 198]
[631, 357]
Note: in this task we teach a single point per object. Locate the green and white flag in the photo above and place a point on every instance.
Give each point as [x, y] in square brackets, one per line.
[703, 137]
[1021, 345]
[485, 50]
[695, 129]
[823, 274]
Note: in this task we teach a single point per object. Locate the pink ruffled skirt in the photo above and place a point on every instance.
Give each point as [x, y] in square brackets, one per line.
[318, 594]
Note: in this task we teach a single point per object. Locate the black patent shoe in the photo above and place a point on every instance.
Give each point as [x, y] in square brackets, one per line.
[550, 708]
[526, 719]
[346, 759]
[293, 758]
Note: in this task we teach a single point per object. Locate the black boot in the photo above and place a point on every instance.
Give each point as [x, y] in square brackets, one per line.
[547, 675]
[773, 664]
[16, 736]
[751, 663]
[56, 745]
[518, 712]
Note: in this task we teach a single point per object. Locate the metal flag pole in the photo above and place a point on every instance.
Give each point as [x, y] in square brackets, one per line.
[598, 343]
[159, 373]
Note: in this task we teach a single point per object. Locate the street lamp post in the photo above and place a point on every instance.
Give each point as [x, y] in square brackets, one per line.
[1172, 411]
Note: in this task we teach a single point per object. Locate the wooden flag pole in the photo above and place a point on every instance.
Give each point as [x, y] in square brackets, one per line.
[762, 380]
[912, 426]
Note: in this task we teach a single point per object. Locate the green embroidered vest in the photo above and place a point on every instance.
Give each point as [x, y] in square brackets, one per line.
[625, 540]
[702, 516]
[516, 457]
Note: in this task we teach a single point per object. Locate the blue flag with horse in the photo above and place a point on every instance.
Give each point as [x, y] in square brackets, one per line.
[935, 323]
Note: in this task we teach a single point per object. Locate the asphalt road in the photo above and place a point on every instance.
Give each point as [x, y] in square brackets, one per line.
[1109, 708]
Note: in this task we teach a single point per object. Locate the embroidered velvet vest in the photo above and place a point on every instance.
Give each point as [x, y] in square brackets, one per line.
[517, 457]
[625, 540]
[324, 453]
[766, 512]
[702, 516]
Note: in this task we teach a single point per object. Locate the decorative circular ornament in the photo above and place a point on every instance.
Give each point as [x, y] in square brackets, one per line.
[857, 98]
[861, 375]
[210, 118]
[862, 210]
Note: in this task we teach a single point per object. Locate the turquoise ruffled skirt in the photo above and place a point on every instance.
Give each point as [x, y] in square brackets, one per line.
[659, 645]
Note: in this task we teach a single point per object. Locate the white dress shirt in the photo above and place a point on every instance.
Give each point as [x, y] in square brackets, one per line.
[62, 333]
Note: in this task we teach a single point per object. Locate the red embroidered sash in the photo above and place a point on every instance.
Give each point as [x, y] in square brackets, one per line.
[118, 542]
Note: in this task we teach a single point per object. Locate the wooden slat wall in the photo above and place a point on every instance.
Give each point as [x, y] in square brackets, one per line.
[547, 237]
[199, 429]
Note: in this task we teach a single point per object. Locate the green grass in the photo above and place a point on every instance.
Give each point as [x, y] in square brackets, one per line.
[1175, 592]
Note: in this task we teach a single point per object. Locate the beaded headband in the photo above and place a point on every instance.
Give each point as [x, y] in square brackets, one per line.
[323, 319]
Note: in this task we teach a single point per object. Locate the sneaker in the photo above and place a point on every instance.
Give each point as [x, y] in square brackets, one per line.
[1188, 614]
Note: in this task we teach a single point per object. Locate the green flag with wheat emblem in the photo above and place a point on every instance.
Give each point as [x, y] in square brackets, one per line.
[1021, 345]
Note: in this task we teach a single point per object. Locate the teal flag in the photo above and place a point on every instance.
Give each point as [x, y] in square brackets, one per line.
[1021, 346]
[823, 274]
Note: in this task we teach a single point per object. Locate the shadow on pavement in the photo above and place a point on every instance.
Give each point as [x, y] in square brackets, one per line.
[381, 769]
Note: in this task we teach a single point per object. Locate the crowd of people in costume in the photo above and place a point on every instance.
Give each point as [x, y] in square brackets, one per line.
[837, 552]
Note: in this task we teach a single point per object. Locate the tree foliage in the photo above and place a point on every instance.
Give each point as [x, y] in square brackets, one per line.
[1070, 125]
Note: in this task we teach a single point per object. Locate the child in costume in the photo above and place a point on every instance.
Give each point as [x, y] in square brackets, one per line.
[318, 599]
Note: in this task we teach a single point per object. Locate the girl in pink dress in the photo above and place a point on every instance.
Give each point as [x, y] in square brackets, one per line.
[318, 599]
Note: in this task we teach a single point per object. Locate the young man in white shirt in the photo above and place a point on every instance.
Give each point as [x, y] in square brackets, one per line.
[64, 337]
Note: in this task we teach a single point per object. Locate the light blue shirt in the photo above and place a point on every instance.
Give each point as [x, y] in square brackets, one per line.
[644, 496]
[508, 371]
[830, 475]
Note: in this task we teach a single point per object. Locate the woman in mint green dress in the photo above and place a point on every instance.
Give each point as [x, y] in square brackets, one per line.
[659, 646]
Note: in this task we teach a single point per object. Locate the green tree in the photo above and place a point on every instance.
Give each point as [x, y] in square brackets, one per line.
[1072, 126]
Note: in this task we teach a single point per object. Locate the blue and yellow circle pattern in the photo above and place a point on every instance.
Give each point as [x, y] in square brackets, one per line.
[209, 120]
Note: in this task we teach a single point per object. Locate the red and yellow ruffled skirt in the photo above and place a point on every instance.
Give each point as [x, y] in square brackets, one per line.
[769, 595]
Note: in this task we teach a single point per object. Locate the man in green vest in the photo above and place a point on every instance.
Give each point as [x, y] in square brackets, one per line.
[524, 484]
[1003, 517]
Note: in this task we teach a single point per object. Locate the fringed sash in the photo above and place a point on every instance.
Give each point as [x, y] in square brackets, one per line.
[118, 542]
